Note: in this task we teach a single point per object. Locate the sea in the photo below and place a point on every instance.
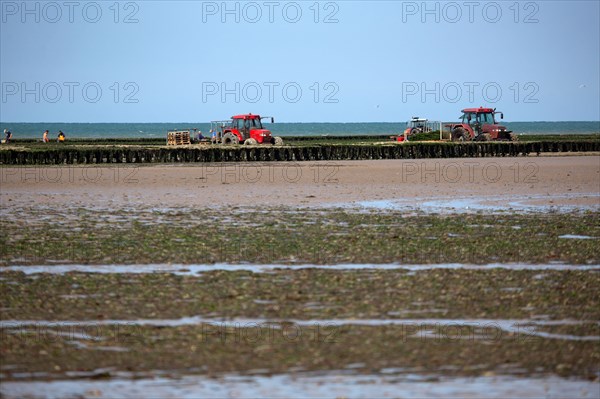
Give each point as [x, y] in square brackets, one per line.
[159, 130]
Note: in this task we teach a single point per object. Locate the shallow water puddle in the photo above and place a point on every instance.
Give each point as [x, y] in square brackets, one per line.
[75, 338]
[513, 203]
[190, 270]
[486, 329]
[331, 385]
[83, 345]
[577, 237]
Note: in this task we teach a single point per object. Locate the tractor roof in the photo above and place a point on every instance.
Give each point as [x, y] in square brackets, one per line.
[246, 116]
[479, 110]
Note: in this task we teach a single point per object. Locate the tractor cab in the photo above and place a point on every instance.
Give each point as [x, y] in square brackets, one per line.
[242, 126]
[479, 119]
[244, 122]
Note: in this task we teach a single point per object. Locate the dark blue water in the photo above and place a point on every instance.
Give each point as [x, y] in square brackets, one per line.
[134, 130]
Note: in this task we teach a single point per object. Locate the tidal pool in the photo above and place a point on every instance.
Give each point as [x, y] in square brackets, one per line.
[330, 385]
[190, 270]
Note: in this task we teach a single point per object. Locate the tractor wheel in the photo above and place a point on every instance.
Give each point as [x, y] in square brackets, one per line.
[250, 142]
[230, 139]
[414, 131]
[277, 141]
[460, 134]
[484, 137]
[513, 137]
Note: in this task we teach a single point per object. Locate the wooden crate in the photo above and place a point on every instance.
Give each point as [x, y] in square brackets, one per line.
[178, 138]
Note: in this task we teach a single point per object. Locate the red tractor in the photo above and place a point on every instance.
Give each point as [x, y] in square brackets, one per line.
[417, 125]
[243, 129]
[480, 124]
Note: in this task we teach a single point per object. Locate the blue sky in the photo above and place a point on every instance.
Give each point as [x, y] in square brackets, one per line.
[303, 61]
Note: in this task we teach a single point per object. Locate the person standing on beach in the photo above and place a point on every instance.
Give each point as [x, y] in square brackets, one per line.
[213, 136]
[46, 139]
[8, 135]
[61, 137]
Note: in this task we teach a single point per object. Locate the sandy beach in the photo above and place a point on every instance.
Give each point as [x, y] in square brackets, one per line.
[123, 279]
[573, 180]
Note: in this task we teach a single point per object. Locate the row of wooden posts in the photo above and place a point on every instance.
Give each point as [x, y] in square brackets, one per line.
[99, 155]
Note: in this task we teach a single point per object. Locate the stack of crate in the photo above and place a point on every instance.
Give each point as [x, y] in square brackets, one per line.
[178, 137]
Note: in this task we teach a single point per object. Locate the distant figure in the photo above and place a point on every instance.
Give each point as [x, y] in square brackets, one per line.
[213, 136]
[46, 139]
[61, 137]
[196, 136]
[8, 136]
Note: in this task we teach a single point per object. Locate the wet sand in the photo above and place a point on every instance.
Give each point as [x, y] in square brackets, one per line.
[540, 181]
[105, 291]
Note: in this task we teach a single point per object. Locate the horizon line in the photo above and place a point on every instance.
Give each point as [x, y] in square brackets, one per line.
[334, 122]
